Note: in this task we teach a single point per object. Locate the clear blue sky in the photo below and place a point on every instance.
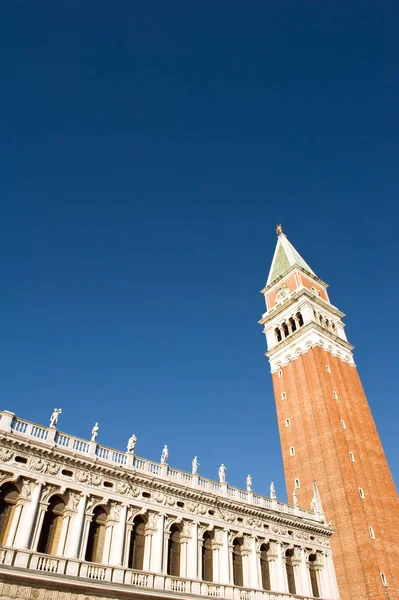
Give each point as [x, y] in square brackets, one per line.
[148, 151]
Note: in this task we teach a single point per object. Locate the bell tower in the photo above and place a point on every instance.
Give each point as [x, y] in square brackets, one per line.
[327, 431]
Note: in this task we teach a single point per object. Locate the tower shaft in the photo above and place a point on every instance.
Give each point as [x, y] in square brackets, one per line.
[327, 431]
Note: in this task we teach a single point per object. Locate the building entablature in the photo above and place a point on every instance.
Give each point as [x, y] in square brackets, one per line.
[54, 467]
[298, 296]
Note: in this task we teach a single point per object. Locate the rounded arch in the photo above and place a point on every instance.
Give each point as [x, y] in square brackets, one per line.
[9, 494]
[137, 542]
[51, 527]
[207, 555]
[237, 561]
[96, 537]
[174, 549]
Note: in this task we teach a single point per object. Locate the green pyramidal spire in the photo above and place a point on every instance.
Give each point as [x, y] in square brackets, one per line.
[285, 256]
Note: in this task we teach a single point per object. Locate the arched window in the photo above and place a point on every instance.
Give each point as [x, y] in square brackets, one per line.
[51, 528]
[300, 319]
[207, 557]
[174, 547]
[136, 548]
[292, 324]
[313, 576]
[237, 563]
[292, 451]
[264, 566]
[278, 334]
[284, 327]
[8, 499]
[95, 542]
[290, 571]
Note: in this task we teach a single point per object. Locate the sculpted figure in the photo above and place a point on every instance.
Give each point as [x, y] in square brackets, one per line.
[272, 490]
[131, 444]
[195, 465]
[222, 473]
[54, 417]
[294, 498]
[164, 455]
[249, 483]
[94, 432]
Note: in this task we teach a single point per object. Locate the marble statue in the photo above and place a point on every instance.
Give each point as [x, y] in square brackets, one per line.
[222, 473]
[54, 417]
[94, 432]
[195, 465]
[294, 498]
[272, 490]
[164, 455]
[131, 444]
[249, 483]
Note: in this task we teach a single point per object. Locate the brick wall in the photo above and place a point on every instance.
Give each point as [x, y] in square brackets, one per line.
[322, 448]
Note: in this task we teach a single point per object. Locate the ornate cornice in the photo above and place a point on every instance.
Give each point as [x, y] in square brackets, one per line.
[89, 476]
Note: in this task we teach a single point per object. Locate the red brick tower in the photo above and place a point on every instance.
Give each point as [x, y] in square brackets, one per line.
[326, 428]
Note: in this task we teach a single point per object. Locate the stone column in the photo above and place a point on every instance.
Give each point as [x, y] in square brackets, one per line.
[30, 518]
[192, 558]
[166, 536]
[14, 524]
[150, 531]
[77, 528]
[225, 558]
[255, 565]
[282, 581]
[64, 532]
[85, 535]
[108, 539]
[305, 586]
[119, 541]
[272, 559]
[157, 546]
[245, 555]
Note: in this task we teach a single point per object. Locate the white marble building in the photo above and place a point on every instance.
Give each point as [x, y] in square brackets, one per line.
[80, 521]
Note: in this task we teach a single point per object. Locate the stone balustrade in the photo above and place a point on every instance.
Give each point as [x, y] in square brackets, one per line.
[9, 423]
[111, 579]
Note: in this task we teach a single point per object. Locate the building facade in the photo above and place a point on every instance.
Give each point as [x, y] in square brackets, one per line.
[326, 428]
[79, 521]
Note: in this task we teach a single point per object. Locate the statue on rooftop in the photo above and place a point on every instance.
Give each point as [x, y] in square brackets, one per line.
[94, 432]
[54, 417]
[272, 491]
[294, 498]
[164, 455]
[131, 444]
[195, 465]
[222, 473]
[249, 483]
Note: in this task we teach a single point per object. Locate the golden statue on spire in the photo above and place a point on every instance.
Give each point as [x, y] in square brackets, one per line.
[279, 229]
